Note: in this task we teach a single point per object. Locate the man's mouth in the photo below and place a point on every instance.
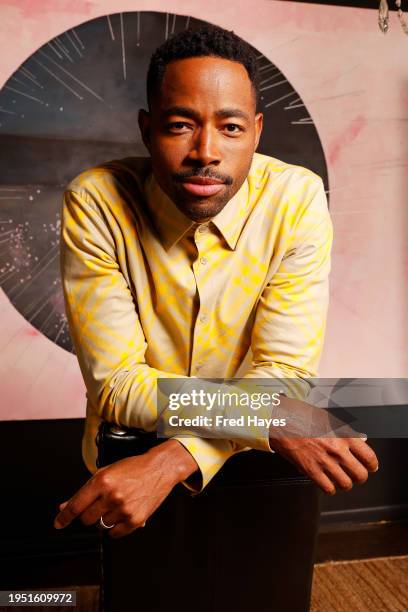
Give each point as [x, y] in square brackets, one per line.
[200, 186]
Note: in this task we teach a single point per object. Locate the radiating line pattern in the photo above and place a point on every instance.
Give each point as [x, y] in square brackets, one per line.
[74, 104]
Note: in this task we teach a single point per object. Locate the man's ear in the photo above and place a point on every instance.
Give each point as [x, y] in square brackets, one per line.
[258, 128]
[144, 126]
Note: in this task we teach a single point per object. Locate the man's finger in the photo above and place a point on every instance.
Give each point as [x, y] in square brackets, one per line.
[326, 485]
[322, 480]
[77, 504]
[111, 518]
[338, 476]
[93, 513]
[354, 468]
[364, 454]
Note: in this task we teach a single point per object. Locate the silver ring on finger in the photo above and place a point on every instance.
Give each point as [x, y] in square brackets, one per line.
[104, 525]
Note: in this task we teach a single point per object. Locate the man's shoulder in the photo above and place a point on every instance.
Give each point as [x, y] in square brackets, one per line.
[267, 169]
[288, 191]
[127, 172]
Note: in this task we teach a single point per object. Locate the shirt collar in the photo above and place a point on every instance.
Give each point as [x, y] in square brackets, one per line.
[230, 220]
[172, 224]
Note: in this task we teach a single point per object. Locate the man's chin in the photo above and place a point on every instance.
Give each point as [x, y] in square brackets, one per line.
[201, 208]
[202, 212]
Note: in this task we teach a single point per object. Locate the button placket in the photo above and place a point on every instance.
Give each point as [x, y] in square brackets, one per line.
[197, 366]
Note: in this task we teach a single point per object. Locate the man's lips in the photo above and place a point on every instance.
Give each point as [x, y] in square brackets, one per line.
[201, 186]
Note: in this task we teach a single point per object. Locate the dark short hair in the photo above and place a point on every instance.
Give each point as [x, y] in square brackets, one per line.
[207, 40]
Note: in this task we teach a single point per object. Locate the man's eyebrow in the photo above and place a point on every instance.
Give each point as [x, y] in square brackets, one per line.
[225, 113]
[186, 111]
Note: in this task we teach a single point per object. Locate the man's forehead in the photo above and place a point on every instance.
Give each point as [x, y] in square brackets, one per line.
[207, 68]
[193, 81]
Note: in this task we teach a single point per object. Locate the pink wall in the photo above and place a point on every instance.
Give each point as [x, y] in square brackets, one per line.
[353, 81]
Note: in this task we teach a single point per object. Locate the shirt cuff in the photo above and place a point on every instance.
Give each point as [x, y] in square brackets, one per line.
[210, 455]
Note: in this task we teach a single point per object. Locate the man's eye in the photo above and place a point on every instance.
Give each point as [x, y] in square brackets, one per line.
[177, 125]
[233, 128]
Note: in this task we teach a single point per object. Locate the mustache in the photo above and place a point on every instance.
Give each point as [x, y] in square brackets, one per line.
[208, 174]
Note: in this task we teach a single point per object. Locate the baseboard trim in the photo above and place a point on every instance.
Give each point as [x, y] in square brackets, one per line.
[391, 512]
[350, 541]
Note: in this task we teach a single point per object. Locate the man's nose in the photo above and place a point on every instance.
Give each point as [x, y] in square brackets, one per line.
[205, 147]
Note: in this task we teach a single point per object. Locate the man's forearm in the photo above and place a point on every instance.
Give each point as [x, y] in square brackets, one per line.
[177, 462]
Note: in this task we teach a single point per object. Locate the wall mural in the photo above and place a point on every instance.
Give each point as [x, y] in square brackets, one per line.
[73, 104]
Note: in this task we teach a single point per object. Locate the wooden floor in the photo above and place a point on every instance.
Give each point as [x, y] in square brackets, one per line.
[370, 585]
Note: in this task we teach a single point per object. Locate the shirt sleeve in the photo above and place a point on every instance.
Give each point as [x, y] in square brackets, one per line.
[108, 337]
[290, 321]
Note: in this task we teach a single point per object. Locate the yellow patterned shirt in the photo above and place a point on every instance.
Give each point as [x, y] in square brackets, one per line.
[149, 293]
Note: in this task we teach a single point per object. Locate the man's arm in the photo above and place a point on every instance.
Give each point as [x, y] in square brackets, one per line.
[110, 347]
[288, 333]
[107, 333]
[287, 341]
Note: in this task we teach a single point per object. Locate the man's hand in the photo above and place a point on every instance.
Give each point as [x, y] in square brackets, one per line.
[336, 455]
[127, 492]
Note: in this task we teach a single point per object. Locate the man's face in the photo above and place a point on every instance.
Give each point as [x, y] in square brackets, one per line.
[201, 132]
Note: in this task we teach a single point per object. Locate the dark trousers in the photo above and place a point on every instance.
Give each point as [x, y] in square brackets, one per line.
[246, 544]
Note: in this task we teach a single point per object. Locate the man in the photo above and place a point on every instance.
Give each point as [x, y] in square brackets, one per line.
[179, 264]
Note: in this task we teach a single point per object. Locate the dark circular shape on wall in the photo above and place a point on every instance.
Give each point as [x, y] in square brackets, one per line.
[74, 104]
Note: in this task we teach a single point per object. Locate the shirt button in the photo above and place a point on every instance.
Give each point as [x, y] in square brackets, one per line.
[203, 228]
[203, 318]
[203, 261]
